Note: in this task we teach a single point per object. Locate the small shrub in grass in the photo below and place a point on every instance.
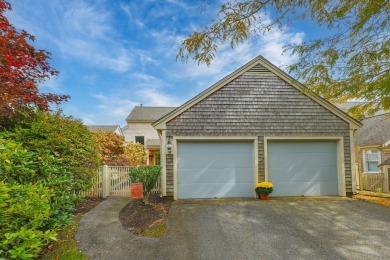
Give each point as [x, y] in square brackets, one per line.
[148, 175]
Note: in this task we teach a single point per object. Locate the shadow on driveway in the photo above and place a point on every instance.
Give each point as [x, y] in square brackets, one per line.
[308, 229]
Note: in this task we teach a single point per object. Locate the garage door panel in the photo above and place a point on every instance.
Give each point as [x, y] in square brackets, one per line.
[215, 190]
[214, 148]
[215, 170]
[308, 159]
[305, 189]
[218, 176]
[303, 168]
[290, 147]
[304, 174]
[188, 161]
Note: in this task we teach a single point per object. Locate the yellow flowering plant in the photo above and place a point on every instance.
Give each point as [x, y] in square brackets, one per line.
[264, 187]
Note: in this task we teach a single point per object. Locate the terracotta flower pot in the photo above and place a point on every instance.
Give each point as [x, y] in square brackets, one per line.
[136, 191]
[263, 196]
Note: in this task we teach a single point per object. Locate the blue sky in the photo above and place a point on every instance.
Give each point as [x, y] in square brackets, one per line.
[113, 55]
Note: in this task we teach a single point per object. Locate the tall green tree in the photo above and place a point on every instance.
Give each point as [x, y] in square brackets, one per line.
[351, 61]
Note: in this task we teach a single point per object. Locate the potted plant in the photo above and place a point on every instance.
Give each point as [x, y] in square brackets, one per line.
[263, 189]
[143, 179]
[136, 186]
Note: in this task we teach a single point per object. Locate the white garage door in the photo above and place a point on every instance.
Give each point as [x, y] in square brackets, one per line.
[303, 168]
[215, 170]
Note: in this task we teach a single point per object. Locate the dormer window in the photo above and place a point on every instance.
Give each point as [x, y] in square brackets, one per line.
[139, 139]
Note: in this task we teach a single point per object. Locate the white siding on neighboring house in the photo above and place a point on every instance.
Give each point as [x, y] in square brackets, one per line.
[118, 131]
[139, 129]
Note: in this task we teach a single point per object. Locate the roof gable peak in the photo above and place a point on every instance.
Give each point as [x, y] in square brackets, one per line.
[257, 66]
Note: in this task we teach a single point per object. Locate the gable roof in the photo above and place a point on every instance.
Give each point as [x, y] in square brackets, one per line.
[148, 114]
[103, 128]
[375, 131]
[257, 66]
[347, 105]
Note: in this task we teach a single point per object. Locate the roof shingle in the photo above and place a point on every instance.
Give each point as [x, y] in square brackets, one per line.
[153, 143]
[103, 128]
[375, 130]
[148, 114]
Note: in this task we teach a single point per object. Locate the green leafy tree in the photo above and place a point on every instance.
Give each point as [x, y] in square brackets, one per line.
[133, 154]
[350, 61]
[110, 145]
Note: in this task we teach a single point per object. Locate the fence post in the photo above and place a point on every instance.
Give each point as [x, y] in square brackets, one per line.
[105, 181]
[386, 173]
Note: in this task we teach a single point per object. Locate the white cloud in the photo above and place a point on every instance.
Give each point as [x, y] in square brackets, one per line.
[88, 121]
[132, 19]
[86, 19]
[151, 97]
[273, 45]
[115, 106]
[52, 85]
[81, 30]
[74, 111]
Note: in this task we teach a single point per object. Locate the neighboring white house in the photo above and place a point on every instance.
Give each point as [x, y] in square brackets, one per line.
[139, 129]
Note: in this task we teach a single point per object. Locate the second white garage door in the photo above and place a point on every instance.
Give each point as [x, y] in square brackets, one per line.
[299, 168]
[215, 169]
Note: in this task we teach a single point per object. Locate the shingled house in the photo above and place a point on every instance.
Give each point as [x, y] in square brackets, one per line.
[257, 124]
[139, 129]
[373, 148]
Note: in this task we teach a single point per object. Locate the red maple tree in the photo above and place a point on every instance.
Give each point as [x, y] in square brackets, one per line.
[22, 69]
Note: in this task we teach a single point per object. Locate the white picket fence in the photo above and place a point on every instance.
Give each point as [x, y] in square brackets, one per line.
[113, 181]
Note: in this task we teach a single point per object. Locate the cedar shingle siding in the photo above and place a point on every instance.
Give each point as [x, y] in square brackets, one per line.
[258, 105]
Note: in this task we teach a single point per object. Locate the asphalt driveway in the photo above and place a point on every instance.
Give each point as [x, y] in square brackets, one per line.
[306, 229]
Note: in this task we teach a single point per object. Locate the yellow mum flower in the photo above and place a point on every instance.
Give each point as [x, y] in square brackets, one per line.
[265, 184]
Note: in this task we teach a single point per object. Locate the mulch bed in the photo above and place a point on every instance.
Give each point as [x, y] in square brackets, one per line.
[378, 200]
[374, 197]
[137, 215]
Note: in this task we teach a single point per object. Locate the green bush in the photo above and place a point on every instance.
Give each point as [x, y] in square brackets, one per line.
[148, 175]
[25, 211]
[36, 197]
[19, 166]
[45, 159]
[65, 138]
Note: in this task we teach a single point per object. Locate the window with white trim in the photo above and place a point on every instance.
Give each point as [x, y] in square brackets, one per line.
[371, 161]
[139, 139]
